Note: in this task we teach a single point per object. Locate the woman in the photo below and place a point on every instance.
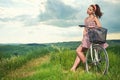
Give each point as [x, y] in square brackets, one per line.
[94, 13]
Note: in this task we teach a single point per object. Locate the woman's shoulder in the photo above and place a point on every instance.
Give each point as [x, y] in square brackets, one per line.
[86, 18]
[95, 18]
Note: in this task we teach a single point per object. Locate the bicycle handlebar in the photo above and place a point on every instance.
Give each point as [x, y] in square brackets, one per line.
[81, 25]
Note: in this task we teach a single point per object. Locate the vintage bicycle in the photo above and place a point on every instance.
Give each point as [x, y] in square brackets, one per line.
[97, 60]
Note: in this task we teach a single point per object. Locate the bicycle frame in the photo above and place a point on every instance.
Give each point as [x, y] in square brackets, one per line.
[91, 51]
[95, 54]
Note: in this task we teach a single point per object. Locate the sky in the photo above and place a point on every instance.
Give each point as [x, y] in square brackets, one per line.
[48, 21]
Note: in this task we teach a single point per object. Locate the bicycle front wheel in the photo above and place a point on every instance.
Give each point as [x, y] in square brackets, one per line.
[97, 60]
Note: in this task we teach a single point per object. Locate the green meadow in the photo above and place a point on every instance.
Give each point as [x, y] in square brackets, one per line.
[51, 62]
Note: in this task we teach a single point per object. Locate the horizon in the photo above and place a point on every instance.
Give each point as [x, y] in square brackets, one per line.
[53, 42]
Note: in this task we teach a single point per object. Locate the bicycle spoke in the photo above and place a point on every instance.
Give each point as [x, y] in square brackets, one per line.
[100, 69]
[99, 65]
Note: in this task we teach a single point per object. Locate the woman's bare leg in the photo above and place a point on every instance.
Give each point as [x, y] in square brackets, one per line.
[76, 63]
[80, 56]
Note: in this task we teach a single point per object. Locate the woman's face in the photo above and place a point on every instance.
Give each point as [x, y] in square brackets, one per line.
[90, 10]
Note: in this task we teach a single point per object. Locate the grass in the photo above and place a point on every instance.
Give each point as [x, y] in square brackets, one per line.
[55, 65]
[27, 69]
[9, 64]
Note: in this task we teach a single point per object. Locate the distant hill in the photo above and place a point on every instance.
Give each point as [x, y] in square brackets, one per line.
[75, 44]
[113, 42]
[6, 50]
[23, 48]
[35, 44]
[118, 41]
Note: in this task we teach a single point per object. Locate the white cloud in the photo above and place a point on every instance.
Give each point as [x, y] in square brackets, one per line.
[112, 1]
[13, 12]
[23, 7]
[78, 3]
[17, 33]
[36, 4]
[113, 36]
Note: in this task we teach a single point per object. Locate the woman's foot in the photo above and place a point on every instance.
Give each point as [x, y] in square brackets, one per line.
[72, 69]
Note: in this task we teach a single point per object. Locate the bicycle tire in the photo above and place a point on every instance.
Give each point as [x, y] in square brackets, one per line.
[100, 66]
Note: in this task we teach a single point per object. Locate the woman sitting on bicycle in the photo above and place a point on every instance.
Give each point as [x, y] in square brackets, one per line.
[92, 20]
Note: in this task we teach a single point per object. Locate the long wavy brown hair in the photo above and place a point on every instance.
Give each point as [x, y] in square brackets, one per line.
[98, 12]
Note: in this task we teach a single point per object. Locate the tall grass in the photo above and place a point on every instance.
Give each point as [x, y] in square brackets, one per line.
[59, 64]
[9, 64]
[66, 57]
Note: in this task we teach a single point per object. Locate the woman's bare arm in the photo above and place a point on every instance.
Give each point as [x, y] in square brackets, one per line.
[97, 22]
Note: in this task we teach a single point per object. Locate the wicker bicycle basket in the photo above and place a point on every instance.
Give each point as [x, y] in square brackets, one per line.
[97, 35]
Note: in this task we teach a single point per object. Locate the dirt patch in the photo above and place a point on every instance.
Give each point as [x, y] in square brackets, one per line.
[27, 69]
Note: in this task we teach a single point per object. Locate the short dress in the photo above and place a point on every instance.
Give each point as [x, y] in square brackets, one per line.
[85, 41]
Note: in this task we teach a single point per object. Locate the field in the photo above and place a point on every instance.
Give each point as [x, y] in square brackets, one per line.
[51, 62]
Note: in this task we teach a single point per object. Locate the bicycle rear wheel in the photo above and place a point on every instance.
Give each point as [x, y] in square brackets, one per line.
[98, 62]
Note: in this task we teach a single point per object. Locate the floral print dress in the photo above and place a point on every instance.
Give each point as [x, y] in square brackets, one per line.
[85, 41]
